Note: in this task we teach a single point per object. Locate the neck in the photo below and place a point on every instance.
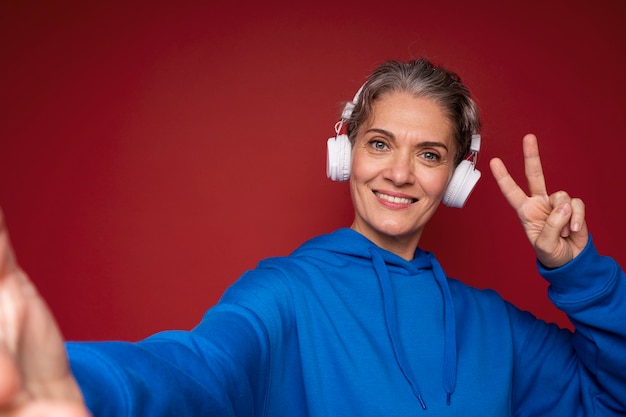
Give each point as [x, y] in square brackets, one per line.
[404, 245]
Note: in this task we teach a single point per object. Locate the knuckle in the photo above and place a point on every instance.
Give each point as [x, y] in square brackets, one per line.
[579, 202]
[560, 196]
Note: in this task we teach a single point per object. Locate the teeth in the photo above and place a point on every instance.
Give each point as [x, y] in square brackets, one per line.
[392, 199]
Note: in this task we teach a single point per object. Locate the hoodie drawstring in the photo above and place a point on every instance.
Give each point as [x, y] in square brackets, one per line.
[450, 354]
[449, 349]
[392, 325]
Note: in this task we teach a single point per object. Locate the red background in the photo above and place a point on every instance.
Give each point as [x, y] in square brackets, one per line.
[151, 152]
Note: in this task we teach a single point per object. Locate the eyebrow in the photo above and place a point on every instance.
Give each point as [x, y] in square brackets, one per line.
[393, 138]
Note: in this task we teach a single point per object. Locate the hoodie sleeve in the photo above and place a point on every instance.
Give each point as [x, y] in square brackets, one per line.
[220, 368]
[583, 373]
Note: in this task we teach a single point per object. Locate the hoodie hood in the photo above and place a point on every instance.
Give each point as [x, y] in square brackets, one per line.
[351, 243]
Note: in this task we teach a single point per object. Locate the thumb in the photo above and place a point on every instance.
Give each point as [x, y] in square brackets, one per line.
[558, 220]
[551, 249]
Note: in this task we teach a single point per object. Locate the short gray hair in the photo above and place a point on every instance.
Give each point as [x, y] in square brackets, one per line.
[423, 79]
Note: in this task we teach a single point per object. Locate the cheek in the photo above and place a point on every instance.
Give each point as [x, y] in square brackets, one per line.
[435, 182]
[361, 170]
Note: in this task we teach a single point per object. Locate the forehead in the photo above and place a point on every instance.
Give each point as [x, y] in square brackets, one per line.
[405, 113]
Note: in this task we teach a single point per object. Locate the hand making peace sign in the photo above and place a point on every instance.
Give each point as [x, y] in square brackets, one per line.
[554, 223]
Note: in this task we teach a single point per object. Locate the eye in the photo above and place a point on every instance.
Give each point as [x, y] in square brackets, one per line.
[378, 145]
[432, 157]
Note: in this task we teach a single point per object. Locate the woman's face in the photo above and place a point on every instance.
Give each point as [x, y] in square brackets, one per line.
[402, 160]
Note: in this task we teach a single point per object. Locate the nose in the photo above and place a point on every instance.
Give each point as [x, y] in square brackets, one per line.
[400, 170]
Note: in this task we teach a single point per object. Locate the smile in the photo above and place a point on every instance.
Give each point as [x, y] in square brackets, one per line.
[395, 200]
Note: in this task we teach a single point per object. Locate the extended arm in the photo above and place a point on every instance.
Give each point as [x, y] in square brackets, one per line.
[218, 369]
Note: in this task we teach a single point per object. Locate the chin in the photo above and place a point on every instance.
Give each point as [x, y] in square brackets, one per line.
[400, 231]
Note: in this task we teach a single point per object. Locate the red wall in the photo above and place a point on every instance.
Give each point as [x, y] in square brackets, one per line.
[150, 153]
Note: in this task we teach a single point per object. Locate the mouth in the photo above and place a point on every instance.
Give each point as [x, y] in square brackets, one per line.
[395, 199]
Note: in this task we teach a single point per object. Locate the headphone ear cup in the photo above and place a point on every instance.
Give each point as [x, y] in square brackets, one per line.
[461, 185]
[338, 158]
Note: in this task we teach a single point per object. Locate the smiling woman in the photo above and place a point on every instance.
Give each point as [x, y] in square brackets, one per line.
[361, 321]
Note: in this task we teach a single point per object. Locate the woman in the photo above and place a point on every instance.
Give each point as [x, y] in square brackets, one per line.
[360, 322]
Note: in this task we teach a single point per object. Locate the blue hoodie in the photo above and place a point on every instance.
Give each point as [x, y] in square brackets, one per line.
[344, 328]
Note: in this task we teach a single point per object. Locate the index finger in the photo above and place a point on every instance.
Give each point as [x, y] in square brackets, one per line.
[509, 188]
[532, 166]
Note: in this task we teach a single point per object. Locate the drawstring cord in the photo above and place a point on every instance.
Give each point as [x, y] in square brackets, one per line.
[392, 325]
[450, 349]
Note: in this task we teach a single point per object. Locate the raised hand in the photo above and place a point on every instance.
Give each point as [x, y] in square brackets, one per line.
[555, 223]
[35, 378]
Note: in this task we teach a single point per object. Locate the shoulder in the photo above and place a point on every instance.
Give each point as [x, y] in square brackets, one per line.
[275, 278]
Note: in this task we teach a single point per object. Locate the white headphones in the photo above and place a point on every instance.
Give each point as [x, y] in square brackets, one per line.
[339, 159]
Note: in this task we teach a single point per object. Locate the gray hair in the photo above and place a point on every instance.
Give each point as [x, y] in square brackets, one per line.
[423, 79]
